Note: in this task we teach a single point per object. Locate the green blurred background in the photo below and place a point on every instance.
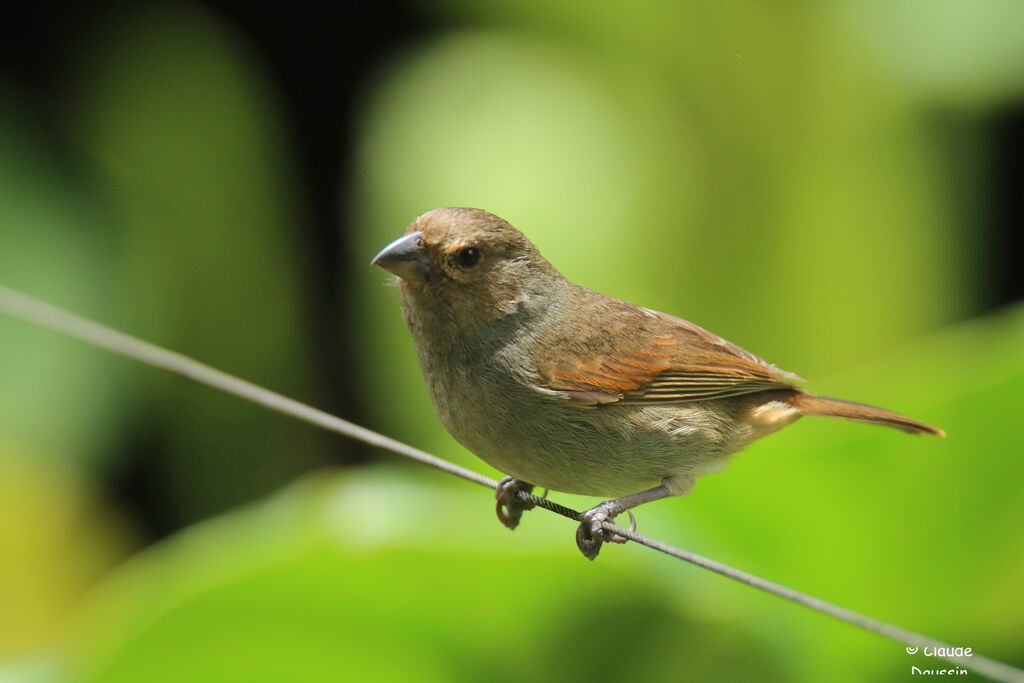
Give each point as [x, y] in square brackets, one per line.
[833, 185]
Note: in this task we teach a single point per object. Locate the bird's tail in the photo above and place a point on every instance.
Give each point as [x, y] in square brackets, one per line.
[810, 404]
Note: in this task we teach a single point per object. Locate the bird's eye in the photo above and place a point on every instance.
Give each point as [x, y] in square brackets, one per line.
[468, 257]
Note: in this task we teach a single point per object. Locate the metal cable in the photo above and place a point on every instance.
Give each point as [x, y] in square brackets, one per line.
[46, 315]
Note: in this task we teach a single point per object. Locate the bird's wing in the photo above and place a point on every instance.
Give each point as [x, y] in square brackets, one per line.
[640, 356]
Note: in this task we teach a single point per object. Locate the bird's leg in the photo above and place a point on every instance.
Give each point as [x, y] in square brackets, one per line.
[510, 507]
[590, 534]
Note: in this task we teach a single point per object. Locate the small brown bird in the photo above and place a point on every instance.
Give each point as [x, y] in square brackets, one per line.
[561, 387]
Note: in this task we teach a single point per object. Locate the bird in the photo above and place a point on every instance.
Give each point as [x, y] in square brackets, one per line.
[564, 388]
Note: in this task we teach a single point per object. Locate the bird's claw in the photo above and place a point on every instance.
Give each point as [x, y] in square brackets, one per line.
[510, 507]
[591, 534]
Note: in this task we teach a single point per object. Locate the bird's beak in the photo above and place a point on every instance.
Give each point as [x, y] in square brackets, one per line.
[404, 258]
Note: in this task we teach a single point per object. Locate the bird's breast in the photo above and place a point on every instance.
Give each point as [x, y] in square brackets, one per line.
[486, 397]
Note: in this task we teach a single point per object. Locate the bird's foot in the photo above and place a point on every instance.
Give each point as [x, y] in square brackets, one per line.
[591, 534]
[510, 507]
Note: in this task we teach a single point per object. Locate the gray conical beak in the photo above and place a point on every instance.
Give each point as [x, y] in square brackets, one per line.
[404, 258]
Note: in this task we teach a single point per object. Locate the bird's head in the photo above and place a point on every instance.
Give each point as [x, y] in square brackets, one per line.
[468, 263]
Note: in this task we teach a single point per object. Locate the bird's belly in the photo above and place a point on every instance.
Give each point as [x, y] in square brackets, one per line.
[608, 450]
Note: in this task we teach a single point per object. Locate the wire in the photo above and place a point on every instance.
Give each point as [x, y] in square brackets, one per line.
[46, 315]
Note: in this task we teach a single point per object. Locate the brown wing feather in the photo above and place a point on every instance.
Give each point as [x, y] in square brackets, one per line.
[643, 356]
